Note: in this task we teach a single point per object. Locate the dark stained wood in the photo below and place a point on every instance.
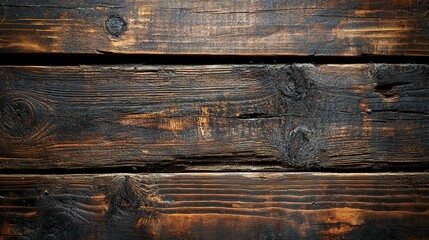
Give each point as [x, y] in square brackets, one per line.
[256, 27]
[222, 117]
[215, 206]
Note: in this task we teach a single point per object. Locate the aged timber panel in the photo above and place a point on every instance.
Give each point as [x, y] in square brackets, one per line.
[215, 206]
[221, 117]
[258, 27]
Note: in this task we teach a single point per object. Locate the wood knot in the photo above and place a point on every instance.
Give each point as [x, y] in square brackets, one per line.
[24, 124]
[116, 25]
[293, 83]
[304, 148]
[389, 90]
[131, 201]
[298, 141]
[17, 116]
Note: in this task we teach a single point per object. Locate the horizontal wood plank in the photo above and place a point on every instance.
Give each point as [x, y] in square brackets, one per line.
[248, 27]
[215, 206]
[215, 117]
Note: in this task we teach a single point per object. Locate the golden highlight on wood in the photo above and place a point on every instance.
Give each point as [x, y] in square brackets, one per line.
[244, 27]
[215, 206]
[215, 117]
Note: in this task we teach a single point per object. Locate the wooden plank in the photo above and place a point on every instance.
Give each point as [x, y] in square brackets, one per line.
[249, 27]
[215, 206]
[222, 117]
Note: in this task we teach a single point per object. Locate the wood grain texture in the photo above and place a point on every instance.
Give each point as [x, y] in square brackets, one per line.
[255, 27]
[216, 117]
[215, 206]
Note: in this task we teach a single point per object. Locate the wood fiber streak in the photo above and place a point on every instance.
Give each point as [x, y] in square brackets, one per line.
[217, 117]
[215, 206]
[248, 27]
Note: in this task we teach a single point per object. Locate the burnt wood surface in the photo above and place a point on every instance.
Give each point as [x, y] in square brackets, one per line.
[215, 117]
[244, 27]
[171, 131]
[215, 206]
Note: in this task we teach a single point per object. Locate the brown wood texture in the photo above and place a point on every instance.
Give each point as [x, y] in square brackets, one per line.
[215, 206]
[215, 117]
[257, 27]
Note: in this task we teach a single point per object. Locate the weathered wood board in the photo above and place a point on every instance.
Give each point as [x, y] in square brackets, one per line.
[248, 27]
[215, 117]
[215, 206]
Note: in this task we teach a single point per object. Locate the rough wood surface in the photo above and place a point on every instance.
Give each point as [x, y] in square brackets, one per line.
[259, 27]
[222, 117]
[215, 206]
